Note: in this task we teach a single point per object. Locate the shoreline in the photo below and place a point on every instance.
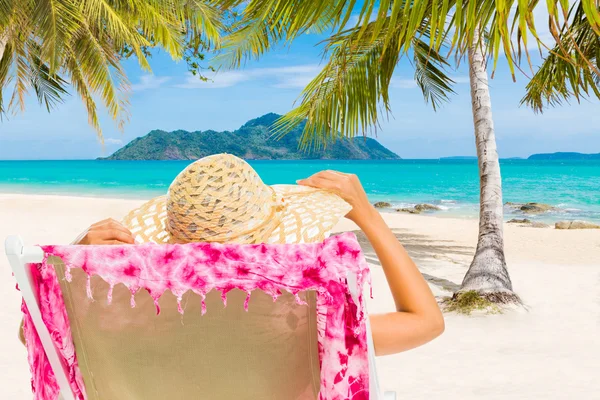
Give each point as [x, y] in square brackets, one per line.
[465, 211]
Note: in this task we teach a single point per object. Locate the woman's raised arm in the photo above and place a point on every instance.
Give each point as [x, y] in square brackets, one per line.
[418, 318]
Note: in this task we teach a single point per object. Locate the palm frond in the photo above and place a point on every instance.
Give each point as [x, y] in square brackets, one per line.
[571, 70]
[48, 41]
[6, 60]
[204, 21]
[429, 74]
[49, 88]
[266, 23]
[78, 81]
[344, 98]
[97, 63]
[6, 11]
[21, 72]
[116, 23]
[55, 22]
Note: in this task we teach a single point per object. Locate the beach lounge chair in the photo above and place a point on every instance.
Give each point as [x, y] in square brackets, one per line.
[103, 349]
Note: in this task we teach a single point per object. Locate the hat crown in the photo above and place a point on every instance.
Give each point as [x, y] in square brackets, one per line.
[215, 199]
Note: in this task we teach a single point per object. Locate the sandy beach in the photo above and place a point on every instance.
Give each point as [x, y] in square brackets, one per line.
[550, 350]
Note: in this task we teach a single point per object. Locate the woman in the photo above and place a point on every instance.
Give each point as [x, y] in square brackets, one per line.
[417, 319]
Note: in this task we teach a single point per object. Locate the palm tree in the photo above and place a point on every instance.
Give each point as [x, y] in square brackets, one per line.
[343, 100]
[487, 274]
[49, 45]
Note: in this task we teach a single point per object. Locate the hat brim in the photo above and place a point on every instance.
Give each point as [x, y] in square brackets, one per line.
[308, 215]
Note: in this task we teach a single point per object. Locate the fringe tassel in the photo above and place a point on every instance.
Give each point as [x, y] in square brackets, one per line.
[109, 294]
[203, 299]
[224, 298]
[156, 305]
[299, 300]
[68, 275]
[179, 308]
[132, 299]
[247, 300]
[88, 288]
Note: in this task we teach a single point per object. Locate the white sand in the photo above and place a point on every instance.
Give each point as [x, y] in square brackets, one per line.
[551, 351]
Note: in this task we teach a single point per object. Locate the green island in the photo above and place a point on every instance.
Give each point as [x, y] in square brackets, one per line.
[252, 141]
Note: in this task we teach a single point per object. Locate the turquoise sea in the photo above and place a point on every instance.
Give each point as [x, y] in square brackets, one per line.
[571, 186]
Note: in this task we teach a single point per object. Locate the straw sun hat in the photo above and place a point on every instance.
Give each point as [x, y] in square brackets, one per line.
[220, 198]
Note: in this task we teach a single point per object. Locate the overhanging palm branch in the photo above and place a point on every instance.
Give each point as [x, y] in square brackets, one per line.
[345, 98]
[571, 69]
[266, 23]
[50, 42]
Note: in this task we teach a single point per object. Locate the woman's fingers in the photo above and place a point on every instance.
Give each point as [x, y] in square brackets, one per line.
[108, 235]
[106, 232]
[319, 182]
[109, 224]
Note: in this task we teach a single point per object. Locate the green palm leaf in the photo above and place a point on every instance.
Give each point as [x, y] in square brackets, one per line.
[346, 97]
[571, 70]
[82, 42]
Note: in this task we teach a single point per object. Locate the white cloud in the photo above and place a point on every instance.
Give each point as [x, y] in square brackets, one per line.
[295, 76]
[113, 141]
[149, 82]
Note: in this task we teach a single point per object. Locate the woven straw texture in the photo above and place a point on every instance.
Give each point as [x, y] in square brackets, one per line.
[220, 198]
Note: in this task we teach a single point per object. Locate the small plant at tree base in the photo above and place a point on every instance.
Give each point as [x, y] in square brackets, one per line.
[469, 301]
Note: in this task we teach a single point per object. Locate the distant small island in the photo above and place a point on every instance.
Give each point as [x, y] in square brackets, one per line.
[564, 156]
[473, 158]
[252, 141]
[459, 158]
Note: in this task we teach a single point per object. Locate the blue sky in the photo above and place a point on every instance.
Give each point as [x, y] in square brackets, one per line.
[171, 99]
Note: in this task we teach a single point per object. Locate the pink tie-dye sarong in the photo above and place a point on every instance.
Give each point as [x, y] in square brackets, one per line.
[202, 267]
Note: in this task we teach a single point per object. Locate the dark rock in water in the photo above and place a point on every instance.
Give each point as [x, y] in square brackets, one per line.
[419, 208]
[382, 204]
[535, 208]
[519, 221]
[426, 207]
[408, 210]
[576, 225]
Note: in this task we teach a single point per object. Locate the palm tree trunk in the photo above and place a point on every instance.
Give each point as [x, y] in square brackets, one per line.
[487, 274]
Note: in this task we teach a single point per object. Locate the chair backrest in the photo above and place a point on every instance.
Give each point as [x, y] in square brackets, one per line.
[268, 352]
[279, 349]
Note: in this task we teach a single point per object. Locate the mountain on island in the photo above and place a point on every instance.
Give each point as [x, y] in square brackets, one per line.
[252, 141]
[564, 156]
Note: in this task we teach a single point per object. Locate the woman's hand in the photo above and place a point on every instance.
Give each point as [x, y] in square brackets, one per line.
[348, 187]
[108, 231]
